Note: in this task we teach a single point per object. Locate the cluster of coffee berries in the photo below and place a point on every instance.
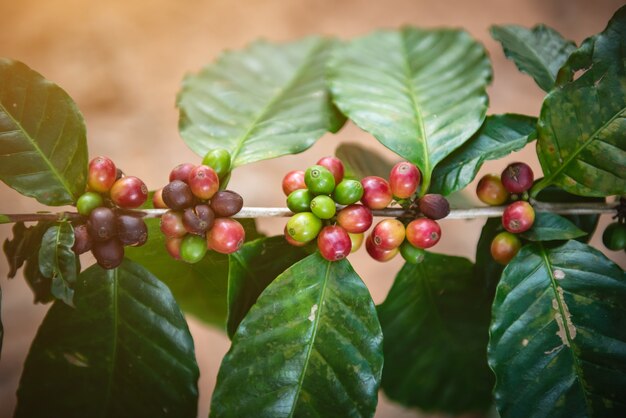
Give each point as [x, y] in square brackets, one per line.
[420, 229]
[512, 185]
[199, 216]
[108, 228]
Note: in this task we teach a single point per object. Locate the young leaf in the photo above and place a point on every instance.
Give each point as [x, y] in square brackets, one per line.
[252, 269]
[580, 143]
[43, 146]
[200, 289]
[421, 93]
[310, 346]
[125, 350]
[361, 162]
[58, 262]
[552, 227]
[499, 136]
[559, 333]
[539, 52]
[262, 102]
[435, 327]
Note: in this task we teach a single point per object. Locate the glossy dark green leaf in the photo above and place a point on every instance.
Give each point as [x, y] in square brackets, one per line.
[552, 227]
[58, 262]
[499, 136]
[435, 327]
[310, 346]
[421, 93]
[124, 351]
[43, 146]
[361, 162]
[487, 270]
[252, 269]
[539, 52]
[558, 336]
[200, 289]
[262, 102]
[581, 127]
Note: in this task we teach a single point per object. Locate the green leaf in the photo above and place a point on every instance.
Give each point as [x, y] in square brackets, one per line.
[581, 144]
[23, 250]
[552, 227]
[487, 270]
[43, 146]
[124, 351]
[58, 262]
[499, 136]
[558, 336]
[200, 289]
[435, 329]
[262, 102]
[361, 162]
[421, 93]
[310, 346]
[252, 269]
[539, 52]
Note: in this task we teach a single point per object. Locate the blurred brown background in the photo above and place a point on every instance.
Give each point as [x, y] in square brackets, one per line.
[122, 61]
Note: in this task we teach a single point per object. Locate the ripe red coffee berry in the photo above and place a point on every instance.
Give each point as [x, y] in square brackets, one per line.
[376, 192]
[172, 245]
[355, 218]
[109, 254]
[131, 230]
[102, 224]
[517, 177]
[181, 172]
[334, 243]
[129, 192]
[491, 191]
[177, 195]
[378, 253]
[434, 206]
[157, 200]
[404, 179]
[226, 236]
[199, 219]
[518, 217]
[82, 240]
[504, 247]
[293, 180]
[334, 165]
[101, 174]
[423, 232]
[388, 234]
[172, 224]
[226, 203]
[204, 182]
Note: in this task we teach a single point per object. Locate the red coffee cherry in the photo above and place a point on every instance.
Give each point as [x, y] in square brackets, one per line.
[172, 224]
[204, 182]
[109, 254]
[518, 217]
[504, 247]
[177, 195]
[129, 192]
[101, 174]
[334, 243]
[226, 203]
[293, 180]
[102, 224]
[404, 179]
[388, 234]
[491, 191]
[172, 245]
[423, 232]
[131, 230]
[157, 200]
[226, 236]
[378, 253]
[181, 172]
[82, 240]
[355, 218]
[517, 177]
[199, 219]
[376, 192]
[434, 206]
[334, 165]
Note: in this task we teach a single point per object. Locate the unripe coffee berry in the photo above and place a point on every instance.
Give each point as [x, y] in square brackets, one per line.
[109, 254]
[226, 203]
[204, 182]
[517, 177]
[348, 192]
[177, 195]
[423, 232]
[376, 192]
[355, 218]
[226, 236]
[404, 179]
[129, 192]
[412, 254]
[357, 241]
[491, 191]
[518, 217]
[323, 207]
[300, 200]
[181, 172]
[157, 200]
[82, 240]
[199, 219]
[504, 247]
[304, 227]
[101, 174]
[293, 181]
[434, 206]
[88, 202]
[172, 224]
[131, 230]
[192, 248]
[334, 165]
[102, 224]
[378, 253]
[388, 234]
[219, 160]
[334, 243]
[291, 240]
[614, 236]
[319, 180]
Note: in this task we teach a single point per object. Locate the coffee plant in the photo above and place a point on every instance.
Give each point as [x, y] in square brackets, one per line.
[536, 325]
